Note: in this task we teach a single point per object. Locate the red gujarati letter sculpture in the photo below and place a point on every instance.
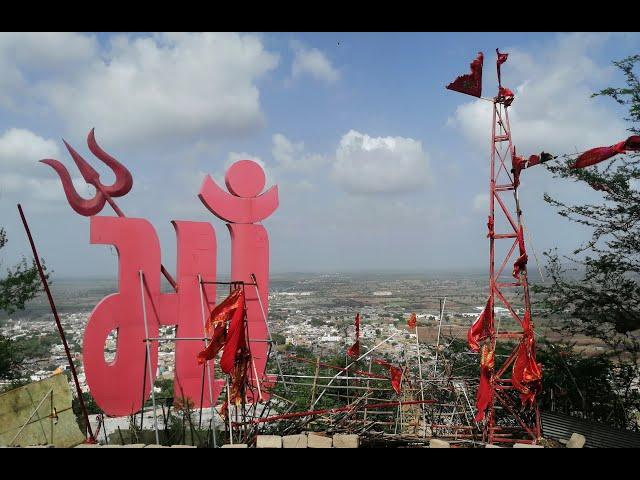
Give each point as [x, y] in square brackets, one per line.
[120, 387]
[242, 208]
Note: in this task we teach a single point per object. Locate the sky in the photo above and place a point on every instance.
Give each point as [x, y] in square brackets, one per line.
[378, 166]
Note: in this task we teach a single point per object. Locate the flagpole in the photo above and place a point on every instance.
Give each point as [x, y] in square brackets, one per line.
[442, 304]
[206, 365]
[424, 415]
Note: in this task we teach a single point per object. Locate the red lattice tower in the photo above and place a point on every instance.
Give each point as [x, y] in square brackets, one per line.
[505, 227]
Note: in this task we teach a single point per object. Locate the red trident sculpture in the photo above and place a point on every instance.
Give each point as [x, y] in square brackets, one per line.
[93, 206]
[242, 208]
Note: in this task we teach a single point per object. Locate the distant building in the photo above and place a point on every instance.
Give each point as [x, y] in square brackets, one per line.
[382, 293]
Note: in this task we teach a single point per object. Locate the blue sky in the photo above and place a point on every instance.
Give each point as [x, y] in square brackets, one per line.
[379, 167]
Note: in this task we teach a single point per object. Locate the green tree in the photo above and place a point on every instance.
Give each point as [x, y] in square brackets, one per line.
[20, 285]
[599, 295]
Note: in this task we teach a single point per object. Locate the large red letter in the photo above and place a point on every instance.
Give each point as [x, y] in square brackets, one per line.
[117, 386]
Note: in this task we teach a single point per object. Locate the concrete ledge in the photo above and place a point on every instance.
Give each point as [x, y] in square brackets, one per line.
[88, 445]
[153, 445]
[576, 441]
[526, 445]
[295, 441]
[341, 440]
[435, 443]
[490, 445]
[235, 445]
[316, 440]
[269, 441]
[135, 445]
[183, 446]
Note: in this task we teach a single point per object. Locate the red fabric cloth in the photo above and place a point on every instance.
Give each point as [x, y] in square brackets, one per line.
[471, 83]
[600, 154]
[517, 164]
[216, 343]
[223, 311]
[502, 57]
[396, 374]
[520, 264]
[216, 324]
[505, 92]
[490, 225]
[526, 376]
[632, 143]
[354, 350]
[239, 377]
[236, 339]
[481, 328]
[413, 321]
[483, 397]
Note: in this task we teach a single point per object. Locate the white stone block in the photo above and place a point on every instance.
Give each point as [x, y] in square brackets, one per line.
[436, 443]
[235, 445]
[341, 440]
[294, 441]
[526, 445]
[269, 441]
[316, 440]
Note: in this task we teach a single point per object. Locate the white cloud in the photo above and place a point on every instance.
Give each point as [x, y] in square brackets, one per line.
[291, 156]
[22, 176]
[553, 110]
[21, 149]
[365, 164]
[480, 202]
[138, 89]
[311, 61]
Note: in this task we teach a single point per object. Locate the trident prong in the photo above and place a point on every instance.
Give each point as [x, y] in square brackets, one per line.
[121, 186]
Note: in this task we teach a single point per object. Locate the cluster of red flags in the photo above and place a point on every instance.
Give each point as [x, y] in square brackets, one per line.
[600, 154]
[354, 350]
[226, 326]
[526, 376]
[471, 83]
[396, 374]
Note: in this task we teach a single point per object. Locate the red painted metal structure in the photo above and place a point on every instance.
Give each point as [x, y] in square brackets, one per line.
[139, 308]
[505, 214]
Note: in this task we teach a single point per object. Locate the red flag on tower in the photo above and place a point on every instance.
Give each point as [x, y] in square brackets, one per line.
[600, 154]
[502, 57]
[471, 83]
[413, 321]
[481, 328]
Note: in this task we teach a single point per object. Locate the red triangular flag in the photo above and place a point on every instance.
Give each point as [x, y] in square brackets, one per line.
[471, 83]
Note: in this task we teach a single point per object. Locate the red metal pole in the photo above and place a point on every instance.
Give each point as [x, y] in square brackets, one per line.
[45, 284]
